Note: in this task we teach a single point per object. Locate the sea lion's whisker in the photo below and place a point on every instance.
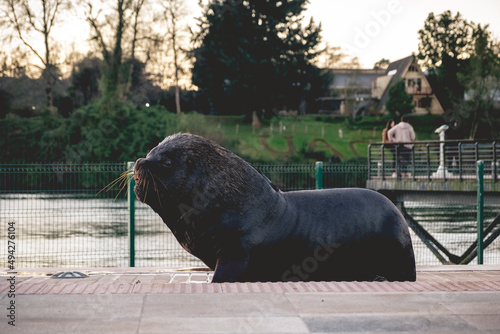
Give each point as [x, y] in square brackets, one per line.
[155, 180]
[122, 180]
[147, 189]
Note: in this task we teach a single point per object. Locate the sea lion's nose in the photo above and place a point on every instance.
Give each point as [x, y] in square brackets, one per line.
[143, 164]
[139, 162]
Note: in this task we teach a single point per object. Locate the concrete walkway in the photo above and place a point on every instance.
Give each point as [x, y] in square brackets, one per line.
[445, 299]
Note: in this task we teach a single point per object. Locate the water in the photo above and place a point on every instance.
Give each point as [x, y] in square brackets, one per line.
[69, 231]
[85, 231]
[454, 225]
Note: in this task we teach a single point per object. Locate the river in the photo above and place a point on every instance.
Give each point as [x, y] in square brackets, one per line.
[84, 231]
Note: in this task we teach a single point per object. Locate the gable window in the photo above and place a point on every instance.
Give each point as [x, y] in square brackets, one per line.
[413, 68]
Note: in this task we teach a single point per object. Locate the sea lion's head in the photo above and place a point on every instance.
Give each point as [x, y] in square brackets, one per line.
[185, 169]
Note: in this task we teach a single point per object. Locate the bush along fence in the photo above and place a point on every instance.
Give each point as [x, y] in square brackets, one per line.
[66, 215]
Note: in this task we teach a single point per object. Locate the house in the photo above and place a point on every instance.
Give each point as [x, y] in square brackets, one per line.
[416, 84]
[349, 86]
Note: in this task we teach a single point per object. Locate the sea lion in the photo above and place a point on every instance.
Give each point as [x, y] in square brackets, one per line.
[226, 213]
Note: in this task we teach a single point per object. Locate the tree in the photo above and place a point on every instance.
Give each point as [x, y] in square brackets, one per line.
[256, 54]
[13, 64]
[482, 83]
[381, 64]
[113, 78]
[124, 42]
[85, 77]
[444, 48]
[399, 102]
[173, 13]
[334, 57]
[24, 19]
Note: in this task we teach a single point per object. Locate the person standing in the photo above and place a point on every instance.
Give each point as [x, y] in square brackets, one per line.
[387, 141]
[404, 134]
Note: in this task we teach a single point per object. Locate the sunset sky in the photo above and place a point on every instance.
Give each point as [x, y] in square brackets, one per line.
[367, 29]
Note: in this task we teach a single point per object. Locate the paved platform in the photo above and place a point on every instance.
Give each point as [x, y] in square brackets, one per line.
[444, 299]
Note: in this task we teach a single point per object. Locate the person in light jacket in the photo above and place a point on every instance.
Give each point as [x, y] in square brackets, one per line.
[402, 133]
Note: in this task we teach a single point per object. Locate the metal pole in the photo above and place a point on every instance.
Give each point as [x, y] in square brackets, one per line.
[480, 211]
[370, 161]
[494, 167]
[396, 166]
[131, 217]
[460, 161]
[319, 174]
[383, 162]
[428, 162]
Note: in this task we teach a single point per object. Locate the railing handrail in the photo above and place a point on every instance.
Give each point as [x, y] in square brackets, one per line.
[425, 142]
[423, 156]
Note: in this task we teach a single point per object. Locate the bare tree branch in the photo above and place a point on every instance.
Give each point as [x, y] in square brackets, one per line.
[92, 20]
[23, 20]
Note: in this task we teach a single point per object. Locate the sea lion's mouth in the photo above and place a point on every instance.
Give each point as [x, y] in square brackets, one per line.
[146, 183]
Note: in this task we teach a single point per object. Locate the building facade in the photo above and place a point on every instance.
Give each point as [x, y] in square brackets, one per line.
[416, 83]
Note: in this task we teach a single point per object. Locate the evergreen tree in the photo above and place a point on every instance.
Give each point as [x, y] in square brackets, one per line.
[399, 102]
[256, 54]
[445, 41]
[482, 83]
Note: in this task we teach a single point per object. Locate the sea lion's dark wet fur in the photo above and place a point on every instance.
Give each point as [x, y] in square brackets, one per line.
[223, 211]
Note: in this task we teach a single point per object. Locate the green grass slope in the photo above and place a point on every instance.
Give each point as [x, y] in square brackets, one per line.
[299, 139]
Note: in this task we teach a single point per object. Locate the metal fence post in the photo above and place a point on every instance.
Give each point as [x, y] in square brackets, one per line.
[319, 174]
[480, 210]
[383, 162]
[370, 160]
[131, 217]
[494, 170]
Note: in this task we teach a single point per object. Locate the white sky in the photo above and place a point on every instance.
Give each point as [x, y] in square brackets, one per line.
[376, 29]
[367, 29]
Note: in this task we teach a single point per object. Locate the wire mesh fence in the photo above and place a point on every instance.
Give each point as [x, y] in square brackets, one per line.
[444, 227]
[66, 217]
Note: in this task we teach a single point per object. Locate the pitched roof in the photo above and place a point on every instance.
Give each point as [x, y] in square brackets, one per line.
[353, 77]
[396, 69]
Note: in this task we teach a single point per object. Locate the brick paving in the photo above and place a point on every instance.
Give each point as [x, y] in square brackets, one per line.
[154, 281]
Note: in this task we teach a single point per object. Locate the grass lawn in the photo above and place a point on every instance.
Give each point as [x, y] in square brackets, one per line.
[289, 139]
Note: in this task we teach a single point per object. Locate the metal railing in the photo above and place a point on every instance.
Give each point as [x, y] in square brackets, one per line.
[66, 217]
[432, 160]
[63, 219]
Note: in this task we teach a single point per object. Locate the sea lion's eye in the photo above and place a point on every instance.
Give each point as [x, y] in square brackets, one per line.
[166, 163]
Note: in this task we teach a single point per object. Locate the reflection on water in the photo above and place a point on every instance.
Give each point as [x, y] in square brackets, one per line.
[71, 231]
[85, 231]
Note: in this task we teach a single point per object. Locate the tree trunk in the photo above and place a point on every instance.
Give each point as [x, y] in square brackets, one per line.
[50, 97]
[176, 63]
[116, 59]
[177, 99]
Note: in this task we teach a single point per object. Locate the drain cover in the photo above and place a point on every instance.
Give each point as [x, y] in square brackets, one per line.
[69, 274]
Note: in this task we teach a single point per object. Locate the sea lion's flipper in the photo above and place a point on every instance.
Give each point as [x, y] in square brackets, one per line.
[379, 279]
[230, 270]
